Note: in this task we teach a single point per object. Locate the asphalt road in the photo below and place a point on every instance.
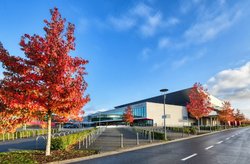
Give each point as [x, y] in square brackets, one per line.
[22, 144]
[227, 147]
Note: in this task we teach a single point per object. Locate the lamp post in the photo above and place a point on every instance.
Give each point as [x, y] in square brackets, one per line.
[164, 112]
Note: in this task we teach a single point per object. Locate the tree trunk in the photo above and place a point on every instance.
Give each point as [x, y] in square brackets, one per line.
[48, 134]
[199, 125]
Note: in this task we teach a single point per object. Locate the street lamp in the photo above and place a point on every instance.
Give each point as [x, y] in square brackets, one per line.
[164, 91]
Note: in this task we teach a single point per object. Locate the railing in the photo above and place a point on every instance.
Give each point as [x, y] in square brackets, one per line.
[86, 141]
[25, 134]
[176, 132]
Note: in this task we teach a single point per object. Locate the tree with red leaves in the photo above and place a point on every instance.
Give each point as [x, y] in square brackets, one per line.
[226, 114]
[47, 81]
[199, 102]
[8, 122]
[239, 117]
[128, 116]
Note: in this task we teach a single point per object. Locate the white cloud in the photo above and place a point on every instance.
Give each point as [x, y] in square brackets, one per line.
[186, 6]
[163, 43]
[222, 2]
[151, 25]
[210, 20]
[92, 110]
[192, 57]
[233, 85]
[142, 18]
[145, 54]
[82, 25]
[123, 23]
[206, 30]
[141, 10]
[173, 21]
[179, 63]
[157, 66]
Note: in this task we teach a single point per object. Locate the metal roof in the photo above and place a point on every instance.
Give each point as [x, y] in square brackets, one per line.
[174, 98]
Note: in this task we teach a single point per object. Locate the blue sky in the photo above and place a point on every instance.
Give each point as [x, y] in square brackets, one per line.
[136, 48]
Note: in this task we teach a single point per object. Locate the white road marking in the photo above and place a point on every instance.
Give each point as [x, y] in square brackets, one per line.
[228, 138]
[209, 147]
[219, 142]
[184, 159]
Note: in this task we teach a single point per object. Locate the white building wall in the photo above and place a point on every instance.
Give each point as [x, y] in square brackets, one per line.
[215, 101]
[176, 113]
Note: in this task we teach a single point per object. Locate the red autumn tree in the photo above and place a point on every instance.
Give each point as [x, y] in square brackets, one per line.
[239, 117]
[199, 102]
[226, 114]
[47, 81]
[8, 122]
[128, 115]
[10, 119]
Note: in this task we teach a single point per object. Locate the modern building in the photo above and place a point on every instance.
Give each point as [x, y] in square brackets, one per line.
[149, 112]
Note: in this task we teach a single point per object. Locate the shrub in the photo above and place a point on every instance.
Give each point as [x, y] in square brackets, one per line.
[64, 142]
[159, 136]
[193, 130]
[186, 130]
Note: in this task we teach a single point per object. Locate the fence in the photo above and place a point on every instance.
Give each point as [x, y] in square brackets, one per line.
[25, 134]
[176, 132]
[116, 138]
[86, 141]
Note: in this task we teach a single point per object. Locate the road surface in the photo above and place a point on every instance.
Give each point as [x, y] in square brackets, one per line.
[227, 147]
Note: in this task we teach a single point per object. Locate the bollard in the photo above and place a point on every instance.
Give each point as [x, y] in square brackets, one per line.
[149, 136]
[137, 139]
[79, 145]
[92, 138]
[86, 145]
[89, 139]
[182, 132]
[121, 140]
[82, 141]
[153, 135]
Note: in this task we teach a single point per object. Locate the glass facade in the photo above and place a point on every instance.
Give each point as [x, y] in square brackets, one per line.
[139, 112]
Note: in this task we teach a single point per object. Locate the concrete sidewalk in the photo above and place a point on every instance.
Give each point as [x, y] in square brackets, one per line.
[110, 139]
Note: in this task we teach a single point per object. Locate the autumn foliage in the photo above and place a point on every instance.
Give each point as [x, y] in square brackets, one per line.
[47, 81]
[199, 105]
[239, 117]
[128, 115]
[226, 114]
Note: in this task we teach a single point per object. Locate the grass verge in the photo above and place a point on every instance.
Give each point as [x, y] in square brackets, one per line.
[38, 157]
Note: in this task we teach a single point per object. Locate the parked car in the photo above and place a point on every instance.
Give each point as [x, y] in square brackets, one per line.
[70, 126]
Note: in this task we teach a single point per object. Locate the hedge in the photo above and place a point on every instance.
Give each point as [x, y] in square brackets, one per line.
[188, 130]
[64, 142]
[159, 136]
